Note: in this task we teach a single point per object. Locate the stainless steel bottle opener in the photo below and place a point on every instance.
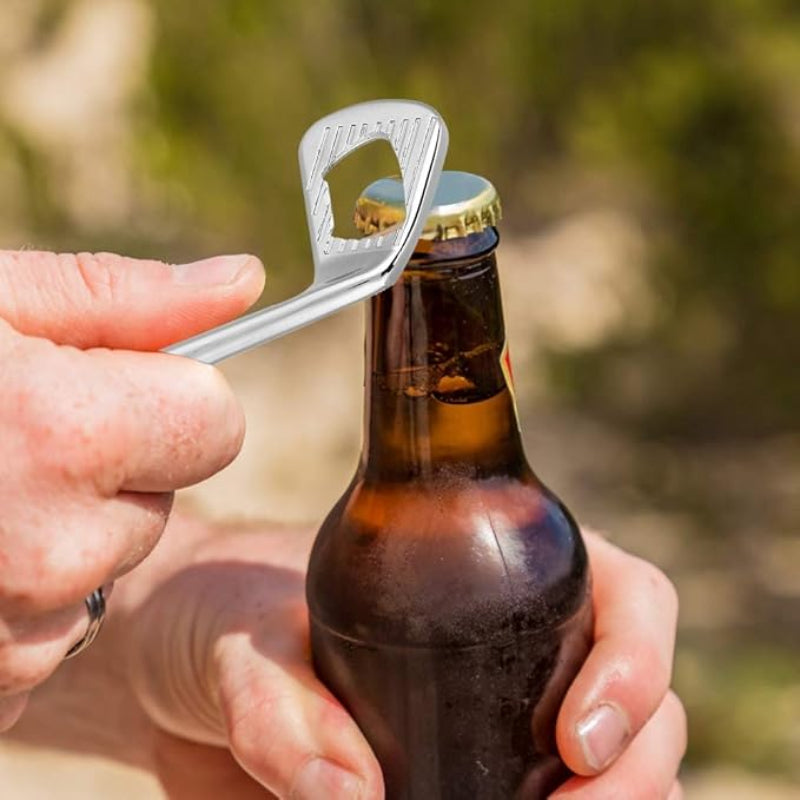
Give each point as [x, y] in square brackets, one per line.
[345, 270]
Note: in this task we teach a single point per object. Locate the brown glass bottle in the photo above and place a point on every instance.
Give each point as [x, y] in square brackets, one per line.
[448, 588]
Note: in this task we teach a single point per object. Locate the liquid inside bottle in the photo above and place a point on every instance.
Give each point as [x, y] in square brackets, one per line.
[448, 588]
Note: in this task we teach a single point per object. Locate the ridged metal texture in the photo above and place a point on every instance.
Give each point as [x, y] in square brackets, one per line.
[345, 270]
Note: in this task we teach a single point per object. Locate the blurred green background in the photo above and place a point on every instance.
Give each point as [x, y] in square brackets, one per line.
[671, 129]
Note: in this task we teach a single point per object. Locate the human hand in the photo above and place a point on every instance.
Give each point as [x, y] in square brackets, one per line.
[93, 441]
[226, 677]
[620, 727]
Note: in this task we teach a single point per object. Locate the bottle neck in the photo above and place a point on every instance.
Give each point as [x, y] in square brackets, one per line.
[438, 398]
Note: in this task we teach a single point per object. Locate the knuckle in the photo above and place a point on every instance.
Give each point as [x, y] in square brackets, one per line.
[648, 786]
[28, 402]
[656, 583]
[235, 437]
[215, 417]
[98, 275]
[264, 711]
[653, 669]
[72, 432]
[22, 669]
[57, 573]
[75, 454]
[667, 591]
[93, 544]
[42, 589]
[252, 711]
[677, 710]
[638, 680]
[221, 403]
[152, 512]
[45, 405]
[71, 577]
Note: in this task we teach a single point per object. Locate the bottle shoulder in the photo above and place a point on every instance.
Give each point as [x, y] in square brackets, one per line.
[459, 560]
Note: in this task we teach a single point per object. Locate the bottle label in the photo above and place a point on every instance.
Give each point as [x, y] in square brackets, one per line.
[508, 372]
[505, 365]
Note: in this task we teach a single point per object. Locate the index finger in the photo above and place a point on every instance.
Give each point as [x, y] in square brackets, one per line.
[102, 421]
[628, 671]
[178, 422]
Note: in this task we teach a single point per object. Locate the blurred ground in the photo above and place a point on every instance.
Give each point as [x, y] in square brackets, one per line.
[302, 396]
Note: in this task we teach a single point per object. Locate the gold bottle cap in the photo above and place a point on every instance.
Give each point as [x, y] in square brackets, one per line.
[464, 203]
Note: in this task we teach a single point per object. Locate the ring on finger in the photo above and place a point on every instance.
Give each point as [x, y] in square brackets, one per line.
[96, 608]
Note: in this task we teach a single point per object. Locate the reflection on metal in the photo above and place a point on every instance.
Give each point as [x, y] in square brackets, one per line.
[345, 270]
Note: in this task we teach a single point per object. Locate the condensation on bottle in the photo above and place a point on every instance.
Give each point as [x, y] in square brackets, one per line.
[448, 588]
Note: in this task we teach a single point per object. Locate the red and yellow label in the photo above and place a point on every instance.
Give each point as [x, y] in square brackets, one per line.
[508, 372]
[505, 365]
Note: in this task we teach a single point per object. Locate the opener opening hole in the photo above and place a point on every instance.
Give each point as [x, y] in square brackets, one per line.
[351, 176]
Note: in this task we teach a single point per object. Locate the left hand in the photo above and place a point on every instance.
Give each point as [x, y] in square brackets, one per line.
[227, 680]
[96, 433]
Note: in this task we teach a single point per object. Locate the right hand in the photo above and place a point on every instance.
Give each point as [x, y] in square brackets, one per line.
[94, 441]
[227, 680]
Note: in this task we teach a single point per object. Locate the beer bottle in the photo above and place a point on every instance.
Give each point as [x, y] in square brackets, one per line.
[448, 588]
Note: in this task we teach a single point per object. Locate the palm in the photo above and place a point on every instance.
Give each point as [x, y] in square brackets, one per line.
[226, 677]
[247, 615]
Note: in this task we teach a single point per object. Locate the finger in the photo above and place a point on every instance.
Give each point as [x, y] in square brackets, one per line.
[104, 300]
[629, 668]
[179, 425]
[647, 768]
[59, 564]
[32, 649]
[11, 709]
[319, 752]
[676, 792]
[112, 420]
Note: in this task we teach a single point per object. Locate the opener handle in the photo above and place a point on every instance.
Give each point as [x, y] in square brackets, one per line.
[259, 327]
[345, 270]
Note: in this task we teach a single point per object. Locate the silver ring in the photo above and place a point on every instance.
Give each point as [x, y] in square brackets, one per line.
[96, 606]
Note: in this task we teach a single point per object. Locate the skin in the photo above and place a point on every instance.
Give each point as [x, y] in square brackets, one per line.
[202, 672]
[98, 438]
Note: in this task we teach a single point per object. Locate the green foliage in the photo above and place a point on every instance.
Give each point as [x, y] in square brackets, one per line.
[703, 127]
[679, 96]
[685, 109]
[731, 692]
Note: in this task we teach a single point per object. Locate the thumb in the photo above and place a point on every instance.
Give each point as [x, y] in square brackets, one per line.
[104, 300]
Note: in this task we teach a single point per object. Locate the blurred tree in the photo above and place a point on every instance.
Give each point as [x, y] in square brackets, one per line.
[669, 96]
[682, 114]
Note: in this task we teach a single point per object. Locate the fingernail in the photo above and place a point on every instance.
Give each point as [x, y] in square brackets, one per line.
[322, 778]
[216, 271]
[602, 734]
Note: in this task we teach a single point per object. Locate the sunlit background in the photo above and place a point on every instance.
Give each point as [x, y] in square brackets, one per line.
[648, 157]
